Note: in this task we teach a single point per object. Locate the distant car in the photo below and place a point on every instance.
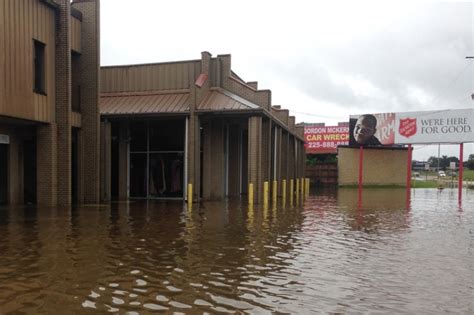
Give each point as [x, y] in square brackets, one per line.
[441, 174]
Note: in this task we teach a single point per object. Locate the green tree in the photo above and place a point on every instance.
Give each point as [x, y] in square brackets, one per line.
[444, 161]
[470, 162]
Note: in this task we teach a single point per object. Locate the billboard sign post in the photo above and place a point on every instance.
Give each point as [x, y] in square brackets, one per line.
[427, 127]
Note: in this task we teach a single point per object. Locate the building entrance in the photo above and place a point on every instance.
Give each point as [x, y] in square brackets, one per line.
[3, 173]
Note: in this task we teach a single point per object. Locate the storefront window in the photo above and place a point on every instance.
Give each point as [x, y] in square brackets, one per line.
[138, 136]
[157, 158]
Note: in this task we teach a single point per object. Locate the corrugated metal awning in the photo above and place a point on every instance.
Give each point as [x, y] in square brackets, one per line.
[144, 103]
[219, 99]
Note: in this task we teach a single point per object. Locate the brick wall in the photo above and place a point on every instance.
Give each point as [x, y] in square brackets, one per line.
[266, 149]
[46, 137]
[255, 152]
[291, 123]
[259, 97]
[281, 114]
[213, 156]
[123, 149]
[234, 156]
[63, 102]
[90, 61]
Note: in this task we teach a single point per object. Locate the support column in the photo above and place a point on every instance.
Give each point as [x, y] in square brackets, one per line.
[409, 158]
[194, 155]
[461, 170]
[90, 63]
[63, 102]
[255, 169]
[80, 166]
[303, 160]
[284, 159]
[15, 170]
[291, 163]
[278, 177]
[105, 161]
[46, 167]
[213, 160]
[124, 163]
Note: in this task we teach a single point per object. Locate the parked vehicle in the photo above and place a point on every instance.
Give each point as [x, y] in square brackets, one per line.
[441, 174]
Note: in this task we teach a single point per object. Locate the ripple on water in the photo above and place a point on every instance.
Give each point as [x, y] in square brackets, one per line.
[173, 289]
[380, 257]
[155, 307]
[140, 282]
[179, 305]
[161, 298]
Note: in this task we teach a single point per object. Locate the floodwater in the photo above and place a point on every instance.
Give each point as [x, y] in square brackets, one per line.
[332, 255]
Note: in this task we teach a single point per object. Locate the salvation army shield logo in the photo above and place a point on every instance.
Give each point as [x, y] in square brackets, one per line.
[407, 127]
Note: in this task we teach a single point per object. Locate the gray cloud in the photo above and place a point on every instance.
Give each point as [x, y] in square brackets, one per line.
[425, 55]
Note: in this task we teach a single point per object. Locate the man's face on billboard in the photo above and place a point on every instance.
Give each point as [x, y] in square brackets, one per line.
[363, 130]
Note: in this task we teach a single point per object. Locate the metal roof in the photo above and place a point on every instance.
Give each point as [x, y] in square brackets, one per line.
[144, 103]
[219, 99]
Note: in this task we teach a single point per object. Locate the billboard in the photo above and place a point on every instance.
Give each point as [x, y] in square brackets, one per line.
[325, 139]
[443, 126]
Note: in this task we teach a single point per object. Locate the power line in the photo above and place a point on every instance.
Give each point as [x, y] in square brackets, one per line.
[454, 80]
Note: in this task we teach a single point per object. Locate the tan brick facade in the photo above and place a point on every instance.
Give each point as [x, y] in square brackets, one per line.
[65, 32]
[63, 103]
[90, 70]
[47, 184]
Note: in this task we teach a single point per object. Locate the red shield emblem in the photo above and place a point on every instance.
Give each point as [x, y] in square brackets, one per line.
[407, 127]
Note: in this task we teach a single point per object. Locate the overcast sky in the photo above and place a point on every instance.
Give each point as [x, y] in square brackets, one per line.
[322, 60]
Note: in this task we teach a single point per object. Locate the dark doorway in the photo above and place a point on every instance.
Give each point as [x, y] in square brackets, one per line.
[3, 173]
[138, 175]
[29, 171]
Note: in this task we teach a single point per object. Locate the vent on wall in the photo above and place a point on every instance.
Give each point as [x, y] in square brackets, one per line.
[4, 139]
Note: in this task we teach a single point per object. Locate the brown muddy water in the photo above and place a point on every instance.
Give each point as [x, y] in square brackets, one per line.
[328, 256]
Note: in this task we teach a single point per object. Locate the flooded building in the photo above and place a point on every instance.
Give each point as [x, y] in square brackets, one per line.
[166, 125]
[49, 119]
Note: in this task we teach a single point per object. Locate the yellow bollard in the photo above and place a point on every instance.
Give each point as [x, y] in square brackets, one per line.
[265, 195]
[291, 193]
[303, 191]
[283, 193]
[190, 196]
[274, 194]
[297, 194]
[308, 183]
[250, 195]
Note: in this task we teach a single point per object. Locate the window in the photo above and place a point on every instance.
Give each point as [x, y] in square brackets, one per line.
[39, 68]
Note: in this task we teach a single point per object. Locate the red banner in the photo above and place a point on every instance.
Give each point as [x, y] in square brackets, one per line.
[325, 139]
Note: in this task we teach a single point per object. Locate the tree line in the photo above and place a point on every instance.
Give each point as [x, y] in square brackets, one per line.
[444, 161]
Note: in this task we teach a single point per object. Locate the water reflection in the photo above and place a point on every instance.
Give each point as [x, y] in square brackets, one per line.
[331, 255]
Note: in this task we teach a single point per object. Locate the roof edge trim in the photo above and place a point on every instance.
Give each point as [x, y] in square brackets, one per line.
[51, 4]
[143, 93]
[76, 13]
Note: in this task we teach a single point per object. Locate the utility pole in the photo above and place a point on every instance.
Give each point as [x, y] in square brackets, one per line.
[439, 147]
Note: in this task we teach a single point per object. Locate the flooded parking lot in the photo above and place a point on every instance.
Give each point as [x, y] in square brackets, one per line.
[332, 255]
